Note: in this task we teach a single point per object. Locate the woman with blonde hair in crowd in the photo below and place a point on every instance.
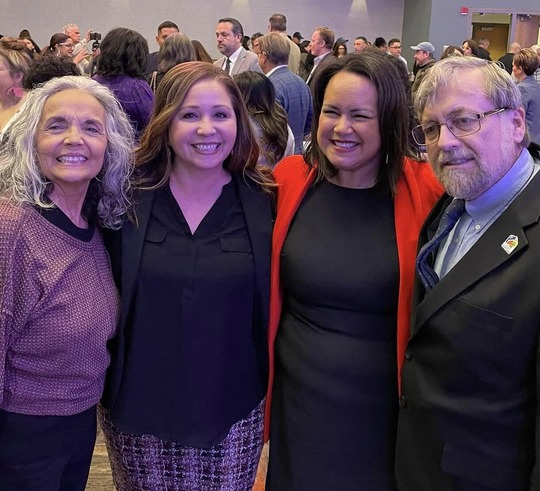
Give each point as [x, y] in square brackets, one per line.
[64, 174]
[184, 398]
[15, 60]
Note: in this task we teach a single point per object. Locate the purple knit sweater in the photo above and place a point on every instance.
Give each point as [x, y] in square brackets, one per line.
[58, 308]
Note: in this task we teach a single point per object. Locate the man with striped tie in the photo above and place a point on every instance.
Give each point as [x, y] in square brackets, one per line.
[235, 59]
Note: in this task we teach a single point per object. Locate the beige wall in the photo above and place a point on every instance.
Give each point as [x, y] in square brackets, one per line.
[198, 19]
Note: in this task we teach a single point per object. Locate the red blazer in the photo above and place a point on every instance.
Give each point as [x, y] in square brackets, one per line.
[416, 193]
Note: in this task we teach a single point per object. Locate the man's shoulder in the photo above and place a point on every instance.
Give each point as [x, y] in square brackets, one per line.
[284, 74]
[531, 83]
[428, 64]
[152, 63]
[249, 54]
[292, 44]
[328, 58]
[252, 56]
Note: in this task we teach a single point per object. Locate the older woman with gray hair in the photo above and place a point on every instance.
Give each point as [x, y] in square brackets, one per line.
[64, 173]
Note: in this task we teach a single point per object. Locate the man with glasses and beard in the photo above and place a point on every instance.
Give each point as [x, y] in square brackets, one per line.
[469, 414]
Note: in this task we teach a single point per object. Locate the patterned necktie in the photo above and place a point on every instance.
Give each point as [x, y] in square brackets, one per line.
[450, 217]
[228, 66]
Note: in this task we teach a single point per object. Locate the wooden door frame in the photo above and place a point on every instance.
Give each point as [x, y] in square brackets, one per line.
[513, 19]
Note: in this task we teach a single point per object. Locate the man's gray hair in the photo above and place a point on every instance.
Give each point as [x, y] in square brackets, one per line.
[276, 48]
[69, 26]
[499, 87]
[278, 22]
[21, 178]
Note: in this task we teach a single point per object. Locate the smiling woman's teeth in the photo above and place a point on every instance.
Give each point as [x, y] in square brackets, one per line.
[71, 159]
[345, 144]
[206, 148]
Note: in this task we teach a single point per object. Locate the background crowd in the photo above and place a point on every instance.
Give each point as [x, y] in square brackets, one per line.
[202, 255]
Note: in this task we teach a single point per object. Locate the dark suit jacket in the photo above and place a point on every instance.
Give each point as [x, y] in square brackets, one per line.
[246, 62]
[295, 97]
[329, 58]
[469, 417]
[126, 246]
[484, 53]
[153, 59]
[506, 60]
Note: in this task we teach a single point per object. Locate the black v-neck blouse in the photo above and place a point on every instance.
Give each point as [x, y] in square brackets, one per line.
[191, 368]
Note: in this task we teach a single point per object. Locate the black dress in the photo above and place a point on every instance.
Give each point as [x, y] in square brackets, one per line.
[335, 392]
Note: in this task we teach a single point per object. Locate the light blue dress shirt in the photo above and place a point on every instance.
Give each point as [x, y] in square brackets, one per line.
[481, 212]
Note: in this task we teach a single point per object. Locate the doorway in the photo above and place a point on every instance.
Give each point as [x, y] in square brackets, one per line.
[503, 27]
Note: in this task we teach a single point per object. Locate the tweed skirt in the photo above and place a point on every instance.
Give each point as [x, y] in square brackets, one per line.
[146, 463]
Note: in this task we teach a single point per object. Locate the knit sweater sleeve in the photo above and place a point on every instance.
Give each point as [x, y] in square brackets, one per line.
[15, 296]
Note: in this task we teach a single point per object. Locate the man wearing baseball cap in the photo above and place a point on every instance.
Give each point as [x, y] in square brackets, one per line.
[424, 61]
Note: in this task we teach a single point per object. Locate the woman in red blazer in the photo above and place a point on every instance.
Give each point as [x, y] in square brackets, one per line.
[344, 249]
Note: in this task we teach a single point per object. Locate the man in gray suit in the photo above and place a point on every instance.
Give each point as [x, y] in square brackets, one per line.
[235, 59]
[278, 23]
[291, 91]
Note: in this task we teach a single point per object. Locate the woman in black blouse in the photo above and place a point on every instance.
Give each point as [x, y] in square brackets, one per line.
[184, 396]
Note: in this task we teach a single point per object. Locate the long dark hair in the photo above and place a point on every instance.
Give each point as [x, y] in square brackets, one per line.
[393, 113]
[123, 52]
[56, 39]
[474, 47]
[260, 98]
[200, 52]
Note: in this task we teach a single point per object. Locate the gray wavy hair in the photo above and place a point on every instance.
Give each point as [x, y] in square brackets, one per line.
[499, 88]
[21, 179]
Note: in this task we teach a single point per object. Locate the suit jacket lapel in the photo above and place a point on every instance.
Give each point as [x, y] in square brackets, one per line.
[239, 62]
[257, 210]
[485, 255]
[132, 245]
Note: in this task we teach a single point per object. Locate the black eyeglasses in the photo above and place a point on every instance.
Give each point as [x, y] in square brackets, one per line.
[464, 125]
